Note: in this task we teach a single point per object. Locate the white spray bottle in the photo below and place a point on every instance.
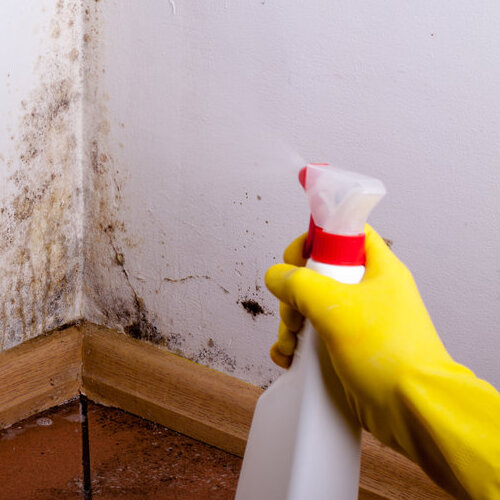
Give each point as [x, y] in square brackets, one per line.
[304, 442]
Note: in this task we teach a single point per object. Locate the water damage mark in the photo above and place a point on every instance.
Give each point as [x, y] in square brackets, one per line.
[40, 247]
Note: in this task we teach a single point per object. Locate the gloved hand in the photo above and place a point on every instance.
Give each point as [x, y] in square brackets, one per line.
[400, 381]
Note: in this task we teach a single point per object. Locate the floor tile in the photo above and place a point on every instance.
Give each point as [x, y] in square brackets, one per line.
[132, 458]
[40, 457]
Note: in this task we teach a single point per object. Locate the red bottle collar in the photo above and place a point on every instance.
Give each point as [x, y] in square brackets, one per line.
[334, 248]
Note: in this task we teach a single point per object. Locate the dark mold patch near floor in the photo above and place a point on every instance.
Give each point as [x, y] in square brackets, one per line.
[215, 356]
[143, 329]
[174, 343]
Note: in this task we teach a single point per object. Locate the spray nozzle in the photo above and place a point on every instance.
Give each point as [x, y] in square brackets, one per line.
[340, 203]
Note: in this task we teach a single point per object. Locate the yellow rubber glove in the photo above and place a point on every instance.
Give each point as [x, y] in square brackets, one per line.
[400, 381]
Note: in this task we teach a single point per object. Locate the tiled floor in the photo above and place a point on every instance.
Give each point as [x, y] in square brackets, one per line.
[131, 458]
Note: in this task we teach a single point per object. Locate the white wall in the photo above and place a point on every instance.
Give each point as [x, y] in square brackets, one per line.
[214, 105]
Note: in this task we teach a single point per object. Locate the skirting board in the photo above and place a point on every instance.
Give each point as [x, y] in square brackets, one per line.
[182, 395]
[39, 374]
[115, 370]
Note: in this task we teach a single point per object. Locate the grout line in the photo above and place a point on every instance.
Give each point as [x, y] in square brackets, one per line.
[87, 482]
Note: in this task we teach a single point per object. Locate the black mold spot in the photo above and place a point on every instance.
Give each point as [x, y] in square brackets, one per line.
[252, 307]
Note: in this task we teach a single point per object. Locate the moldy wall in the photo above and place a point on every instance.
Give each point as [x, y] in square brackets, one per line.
[41, 204]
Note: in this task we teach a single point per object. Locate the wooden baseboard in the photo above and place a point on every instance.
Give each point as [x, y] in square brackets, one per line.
[182, 395]
[143, 379]
[39, 374]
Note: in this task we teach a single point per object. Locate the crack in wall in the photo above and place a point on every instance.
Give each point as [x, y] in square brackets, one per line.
[187, 278]
[194, 277]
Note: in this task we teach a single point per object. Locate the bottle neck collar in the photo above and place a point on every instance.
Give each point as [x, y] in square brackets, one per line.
[334, 249]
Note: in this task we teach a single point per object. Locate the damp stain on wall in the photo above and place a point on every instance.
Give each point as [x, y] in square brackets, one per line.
[64, 252]
[111, 297]
[39, 248]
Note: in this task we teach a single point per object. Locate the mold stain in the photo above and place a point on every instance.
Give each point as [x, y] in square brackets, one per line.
[215, 356]
[250, 302]
[110, 296]
[39, 249]
[252, 307]
[175, 343]
[142, 328]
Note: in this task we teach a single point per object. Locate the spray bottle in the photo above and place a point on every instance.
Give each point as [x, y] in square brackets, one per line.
[304, 442]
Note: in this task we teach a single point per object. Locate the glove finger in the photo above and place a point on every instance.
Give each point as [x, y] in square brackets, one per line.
[287, 340]
[305, 290]
[379, 257]
[293, 253]
[292, 318]
[279, 358]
